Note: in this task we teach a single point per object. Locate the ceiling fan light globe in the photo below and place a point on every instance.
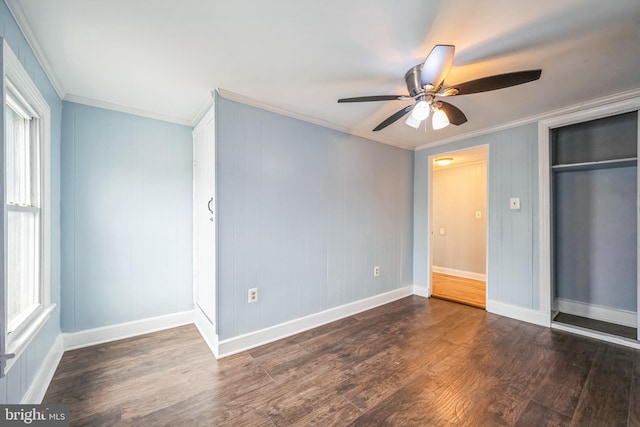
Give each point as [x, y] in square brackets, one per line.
[421, 111]
[411, 121]
[440, 120]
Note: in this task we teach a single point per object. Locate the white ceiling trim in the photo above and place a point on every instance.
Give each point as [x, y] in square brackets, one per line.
[23, 23]
[622, 96]
[258, 104]
[124, 109]
[204, 108]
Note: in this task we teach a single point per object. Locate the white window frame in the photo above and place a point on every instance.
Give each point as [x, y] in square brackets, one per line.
[15, 77]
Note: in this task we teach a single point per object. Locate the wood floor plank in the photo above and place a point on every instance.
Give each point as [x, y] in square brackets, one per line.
[337, 412]
[366, 391]
[459, 289]
[605, 396]
[567, 375]
[414, 404]
[307, 335]
[539, 415]
[636, 363]
[634, 402]
[304, 398]
[414, 362]
[506, 380]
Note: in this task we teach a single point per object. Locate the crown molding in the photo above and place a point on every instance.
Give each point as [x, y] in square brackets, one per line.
[23, 23]
[204, 108]
[124, 109]
[232, 96]
[610, 99]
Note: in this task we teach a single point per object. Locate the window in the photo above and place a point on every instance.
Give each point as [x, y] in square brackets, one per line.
[22, 147]
[25, 304]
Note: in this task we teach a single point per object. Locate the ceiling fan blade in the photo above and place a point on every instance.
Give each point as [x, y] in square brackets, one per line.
[437, 64]
[393, 118]
[376, 98]
[499, 81]
[455, 115]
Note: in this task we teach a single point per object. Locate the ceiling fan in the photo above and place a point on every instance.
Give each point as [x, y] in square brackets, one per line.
[425, 83]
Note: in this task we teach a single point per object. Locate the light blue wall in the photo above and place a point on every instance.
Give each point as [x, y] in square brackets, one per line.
[126, 217]
[22, 373]
[305, 213]
[512, 235]
[595, 248]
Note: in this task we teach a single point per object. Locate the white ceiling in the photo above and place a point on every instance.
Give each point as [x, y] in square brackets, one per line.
[163, 57]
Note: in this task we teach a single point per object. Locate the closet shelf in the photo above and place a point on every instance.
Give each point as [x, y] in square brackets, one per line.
[602, 164]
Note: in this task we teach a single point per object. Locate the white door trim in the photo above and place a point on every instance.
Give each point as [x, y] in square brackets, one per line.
[596, 110]
[430, 161]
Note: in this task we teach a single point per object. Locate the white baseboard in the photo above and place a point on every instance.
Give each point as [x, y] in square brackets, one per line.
[38, 387]
[598, 312]
[207, 330]
[459, 273]
[421, 291]
[126, 330]
[254, 339]
[519, 313]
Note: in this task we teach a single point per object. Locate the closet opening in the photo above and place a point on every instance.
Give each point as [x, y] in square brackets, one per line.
[594, 224]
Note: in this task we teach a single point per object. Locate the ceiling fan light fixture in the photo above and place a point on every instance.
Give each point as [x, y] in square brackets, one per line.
[411, 121]
[444, 161]
[421, 110]
[425, 83]
[440, 119]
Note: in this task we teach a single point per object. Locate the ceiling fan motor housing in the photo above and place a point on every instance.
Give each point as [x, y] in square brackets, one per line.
[414, 85]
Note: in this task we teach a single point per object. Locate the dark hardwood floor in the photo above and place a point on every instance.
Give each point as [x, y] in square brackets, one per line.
[414, 362]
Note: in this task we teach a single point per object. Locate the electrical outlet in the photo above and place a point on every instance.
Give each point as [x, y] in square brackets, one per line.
[376, 271]
[253, 294]
[478, 214]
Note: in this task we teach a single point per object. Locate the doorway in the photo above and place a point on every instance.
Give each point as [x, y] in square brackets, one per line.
[458, 224]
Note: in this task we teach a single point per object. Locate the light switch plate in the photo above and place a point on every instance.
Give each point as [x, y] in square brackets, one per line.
[514, 203]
